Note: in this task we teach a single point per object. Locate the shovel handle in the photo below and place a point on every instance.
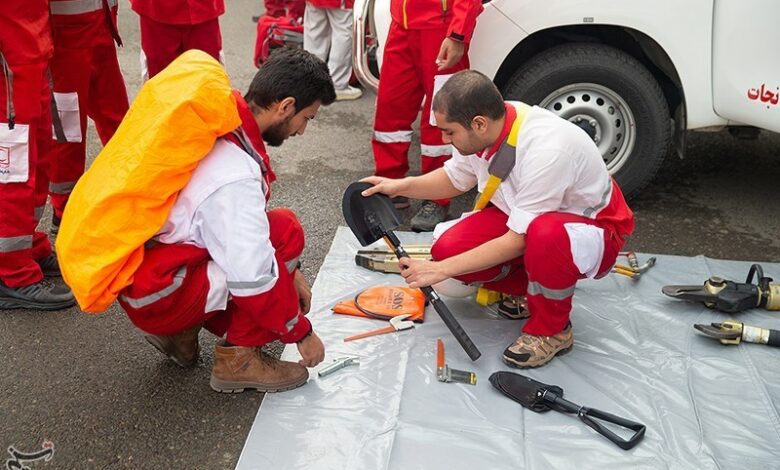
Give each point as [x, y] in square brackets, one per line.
[457, 331]
[381, 331]
[587, 416]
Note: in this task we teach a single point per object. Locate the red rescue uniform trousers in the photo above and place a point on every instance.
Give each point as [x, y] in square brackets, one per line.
[162, 43]
[408, 71]
[22, 204]
[547, 265]
[181, 294]
[93, 74]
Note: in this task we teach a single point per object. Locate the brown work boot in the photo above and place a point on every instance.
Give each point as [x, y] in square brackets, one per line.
[535, 351]
[238, 367]
[514, 307]
[182, 347]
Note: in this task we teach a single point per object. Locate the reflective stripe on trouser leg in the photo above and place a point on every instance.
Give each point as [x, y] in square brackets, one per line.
[552, 274]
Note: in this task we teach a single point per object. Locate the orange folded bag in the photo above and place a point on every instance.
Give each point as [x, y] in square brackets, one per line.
[384, 303]
[126, 195]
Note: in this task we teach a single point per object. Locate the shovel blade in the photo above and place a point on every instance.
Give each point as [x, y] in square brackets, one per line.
[369, 218]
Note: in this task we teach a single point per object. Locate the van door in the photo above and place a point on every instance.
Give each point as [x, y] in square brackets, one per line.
[746, 62]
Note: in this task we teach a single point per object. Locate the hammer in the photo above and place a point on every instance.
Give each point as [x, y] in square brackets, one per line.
[396, 324]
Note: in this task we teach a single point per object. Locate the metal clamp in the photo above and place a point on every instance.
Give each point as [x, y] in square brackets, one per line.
[338, 364]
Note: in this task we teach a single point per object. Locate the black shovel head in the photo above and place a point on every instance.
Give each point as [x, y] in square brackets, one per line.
[369, 218]
[524, 390]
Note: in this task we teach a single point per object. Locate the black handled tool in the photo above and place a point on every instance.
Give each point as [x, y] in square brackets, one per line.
[540, 397]
[374, 218]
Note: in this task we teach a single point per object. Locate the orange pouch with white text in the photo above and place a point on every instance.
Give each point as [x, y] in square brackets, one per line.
[385, 302]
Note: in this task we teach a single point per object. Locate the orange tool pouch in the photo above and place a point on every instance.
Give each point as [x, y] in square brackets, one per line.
[385, 302]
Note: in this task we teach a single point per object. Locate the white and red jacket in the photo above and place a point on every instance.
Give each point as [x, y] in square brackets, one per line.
[221, 214]
[460, 16]
[179, 11]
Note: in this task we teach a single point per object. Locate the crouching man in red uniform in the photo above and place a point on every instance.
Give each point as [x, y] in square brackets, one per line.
[225, 262]
[556, 218]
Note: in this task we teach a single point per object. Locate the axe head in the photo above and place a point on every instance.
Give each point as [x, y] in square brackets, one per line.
[369, 218]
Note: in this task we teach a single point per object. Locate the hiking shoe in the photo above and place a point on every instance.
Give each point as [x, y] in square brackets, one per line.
[514, 307]
[43, 295]
[535, 351]
[55, 225]
[50, 266]
[348, 93]
[183, 348]
[429, 215]
[237, 368]
[401, 202]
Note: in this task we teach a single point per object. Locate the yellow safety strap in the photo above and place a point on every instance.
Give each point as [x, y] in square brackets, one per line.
[493, 180]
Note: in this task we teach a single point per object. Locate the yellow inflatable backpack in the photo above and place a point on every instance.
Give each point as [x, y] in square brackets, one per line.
[126, 195]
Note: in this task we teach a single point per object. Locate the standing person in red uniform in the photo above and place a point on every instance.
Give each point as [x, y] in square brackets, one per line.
[225, 262]
[87, 82]
[427, 38]
[26, 257]
[170, 27]
[556, 218]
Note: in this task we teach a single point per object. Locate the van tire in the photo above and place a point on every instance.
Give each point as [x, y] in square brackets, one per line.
[582, 64]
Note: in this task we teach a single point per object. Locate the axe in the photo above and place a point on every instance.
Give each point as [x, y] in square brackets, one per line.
[374, 218]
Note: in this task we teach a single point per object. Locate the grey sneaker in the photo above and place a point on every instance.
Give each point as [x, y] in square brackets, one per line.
[43, 295]
[428, 216]
[50, 265]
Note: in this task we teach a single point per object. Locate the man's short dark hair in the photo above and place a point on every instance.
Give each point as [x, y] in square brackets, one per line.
[291, 72]
[466, 95]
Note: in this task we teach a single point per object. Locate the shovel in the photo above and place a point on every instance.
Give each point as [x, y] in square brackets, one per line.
[374, 218]
[540, 397]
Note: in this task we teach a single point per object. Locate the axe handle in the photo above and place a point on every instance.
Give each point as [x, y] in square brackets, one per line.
[381, 331]
[457, 331]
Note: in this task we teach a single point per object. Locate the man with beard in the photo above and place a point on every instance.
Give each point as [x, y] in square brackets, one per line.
[226, 263]
[556, 216]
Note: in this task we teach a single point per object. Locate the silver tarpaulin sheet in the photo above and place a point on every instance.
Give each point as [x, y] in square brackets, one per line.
[636, 355]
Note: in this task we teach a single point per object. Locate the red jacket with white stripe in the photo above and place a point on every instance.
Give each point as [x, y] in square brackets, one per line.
[80, 24]
[25, 31]
[460, 16]
[179, 11]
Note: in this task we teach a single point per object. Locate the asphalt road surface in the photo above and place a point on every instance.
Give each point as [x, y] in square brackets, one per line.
[106, 399]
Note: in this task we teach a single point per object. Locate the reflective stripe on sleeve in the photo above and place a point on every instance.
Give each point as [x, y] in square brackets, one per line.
[435, 150]
[291, 324]
[77, 7]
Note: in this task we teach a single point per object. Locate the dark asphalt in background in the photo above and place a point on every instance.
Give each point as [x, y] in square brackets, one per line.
[107, 399]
